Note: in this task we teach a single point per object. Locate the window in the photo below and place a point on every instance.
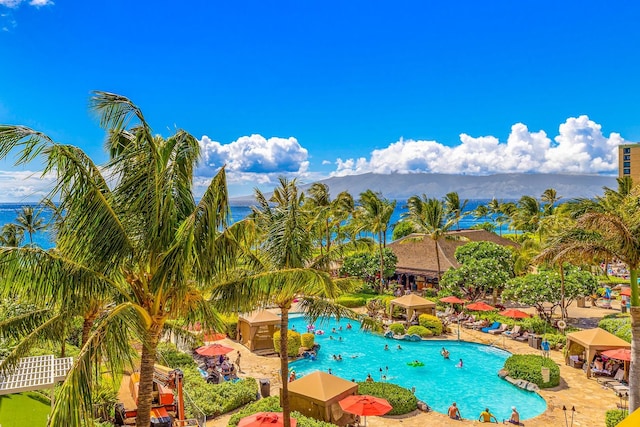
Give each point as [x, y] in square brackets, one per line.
[627, 157]
[626, 171]
[627, 164]
[626, 150]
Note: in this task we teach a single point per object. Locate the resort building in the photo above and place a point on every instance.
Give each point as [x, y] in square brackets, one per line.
[629, 161]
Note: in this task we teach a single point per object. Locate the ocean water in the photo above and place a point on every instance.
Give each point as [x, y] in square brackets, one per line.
[9, 212]
[438, 382]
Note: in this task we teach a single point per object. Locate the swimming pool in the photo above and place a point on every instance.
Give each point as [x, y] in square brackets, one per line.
[473, 387]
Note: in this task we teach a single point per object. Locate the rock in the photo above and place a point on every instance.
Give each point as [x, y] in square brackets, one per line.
[503, 373]
[423, 406]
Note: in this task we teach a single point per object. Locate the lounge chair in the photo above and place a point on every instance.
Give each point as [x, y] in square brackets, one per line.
[614, 381]
[513, 333]
[522, 338]
[503, 327]
[495, 325]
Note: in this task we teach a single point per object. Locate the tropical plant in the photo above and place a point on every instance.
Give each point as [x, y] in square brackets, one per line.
[431, 322]
[30, 221]
[402, 229]
[366, 266]
[402, 400]
[131, 233]
[12, 235]
[528, 367]
[454, 208]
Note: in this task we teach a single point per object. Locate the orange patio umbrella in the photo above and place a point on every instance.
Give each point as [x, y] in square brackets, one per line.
[214, 336]
[514, 314]
[452, 300]
[364, 405]
[626, 292]
[480, 306]
[623, 354]
[264, 419]
[213, 350]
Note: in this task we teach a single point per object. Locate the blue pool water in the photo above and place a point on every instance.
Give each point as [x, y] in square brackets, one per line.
[473, 387]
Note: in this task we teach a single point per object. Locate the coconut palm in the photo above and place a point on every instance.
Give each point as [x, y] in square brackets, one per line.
[282, 270]
[142, 240]
[374, 215]
[454, 207]
[30, 221]
[609, 227]
[550, 197]
[11, 235]
[428, 216]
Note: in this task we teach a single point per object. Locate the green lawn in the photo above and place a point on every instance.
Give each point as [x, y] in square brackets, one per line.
[19, 410]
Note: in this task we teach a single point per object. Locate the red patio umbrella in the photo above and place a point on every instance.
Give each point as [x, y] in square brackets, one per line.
[514, 314]
[626, 292]
[364, 405]
[264, 419]
[618, 354]
[213, 350]
[480, 306]
[452, 300]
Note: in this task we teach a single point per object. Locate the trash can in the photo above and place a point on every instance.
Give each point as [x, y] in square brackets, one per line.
[265, 387]
[580, 302]
[534, 341]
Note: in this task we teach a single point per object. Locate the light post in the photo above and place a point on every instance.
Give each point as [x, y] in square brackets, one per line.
[573, 411]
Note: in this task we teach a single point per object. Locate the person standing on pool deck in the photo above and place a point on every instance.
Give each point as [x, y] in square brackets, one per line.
[486, 416]
[454, 412]
[544, 345]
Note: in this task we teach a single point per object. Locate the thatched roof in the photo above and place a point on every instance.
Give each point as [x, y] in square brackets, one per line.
[416, 252]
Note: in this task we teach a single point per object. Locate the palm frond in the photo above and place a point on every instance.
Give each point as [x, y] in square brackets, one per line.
[30, 142]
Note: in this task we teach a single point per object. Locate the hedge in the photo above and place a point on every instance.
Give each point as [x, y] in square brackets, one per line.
[272, 404]
[614, 416]
[419, 330]
[216, 399]
[555, 340]
[618, 326]
[527, 367]
[431, 322]
[351, 301]
[397, 328]
[307, 340]
[402, 400]
[294, 342]
[174, 358]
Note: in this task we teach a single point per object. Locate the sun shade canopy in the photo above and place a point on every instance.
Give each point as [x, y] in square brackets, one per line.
[35, 373]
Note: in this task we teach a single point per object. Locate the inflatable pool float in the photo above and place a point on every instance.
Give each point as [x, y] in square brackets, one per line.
[415, 364]
[319, 332]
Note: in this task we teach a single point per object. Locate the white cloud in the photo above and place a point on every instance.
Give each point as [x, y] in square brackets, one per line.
[580, 147]
[15, 3]
[24, 186]
[40, 3]
[253, 159]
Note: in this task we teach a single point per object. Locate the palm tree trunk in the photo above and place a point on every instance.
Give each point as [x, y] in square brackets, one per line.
[563, 313]
[87, 324]
[284, 365]
[381, 262]
[145, 390]
[435, 244]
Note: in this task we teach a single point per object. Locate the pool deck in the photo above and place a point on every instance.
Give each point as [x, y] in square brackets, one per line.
[588, 397]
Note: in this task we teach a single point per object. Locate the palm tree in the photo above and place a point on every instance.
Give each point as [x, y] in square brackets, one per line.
[375, 214]
[550, 197]
[428, 216]
[29, 221]
[454, 208]
[283, 270]
[609, 227]
[12, 235]
[145, 242]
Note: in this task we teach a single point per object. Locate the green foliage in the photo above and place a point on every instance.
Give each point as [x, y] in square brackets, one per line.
[366, 265]
[614, 416]
[536, 325]
[272, 404]
[419, 330]
[486, 250]
[397, 328]
[527, 367]
[475, 279]
[555, 340]
[431, 322]
[231, 324]
[169, 355]
[486, 226]
[429, 292]
[618, 326]
[402, 229]
[216, 399]
[351, 301]
[307, 340]
[294, 342]
[402, 400]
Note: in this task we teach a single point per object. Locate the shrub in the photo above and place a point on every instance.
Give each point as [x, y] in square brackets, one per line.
[397, 328]
[419, 330]
[429, 292]
[431, 322]
[402, 400]
[293, 342]
[307, 340]
[272, 404]
[216, 399]
[527, 367]
[614, 416]
[351, 301]
[555, 340]
[536, 325]
[231, 325]
[619, 326]
[172, 357]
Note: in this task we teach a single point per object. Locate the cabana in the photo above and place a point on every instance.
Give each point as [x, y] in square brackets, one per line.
[414, 303]
[317, 395]
[256, 329]
[594, 340]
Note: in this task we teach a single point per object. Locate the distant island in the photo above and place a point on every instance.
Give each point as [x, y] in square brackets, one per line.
[501, 186]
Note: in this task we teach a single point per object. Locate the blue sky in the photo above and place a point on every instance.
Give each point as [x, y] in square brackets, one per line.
[315, 89]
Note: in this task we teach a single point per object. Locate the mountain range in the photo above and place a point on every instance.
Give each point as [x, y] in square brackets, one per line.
[501, 186]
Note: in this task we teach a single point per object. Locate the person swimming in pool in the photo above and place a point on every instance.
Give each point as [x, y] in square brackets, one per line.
[386, 347]
[459, 365]
[399, 347]
[445, 353]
